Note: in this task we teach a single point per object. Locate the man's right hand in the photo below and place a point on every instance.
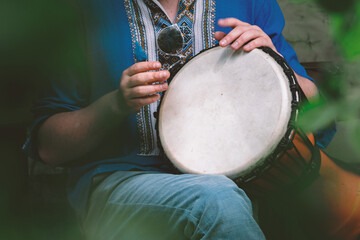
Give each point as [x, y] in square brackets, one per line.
[137, 86]
[66, 137]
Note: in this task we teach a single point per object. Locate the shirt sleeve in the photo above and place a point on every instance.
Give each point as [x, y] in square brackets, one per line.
[67, 87]
[270, 19]
[63, 93]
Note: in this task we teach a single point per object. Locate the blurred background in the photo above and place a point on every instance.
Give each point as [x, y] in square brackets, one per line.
[36, 39]
[325, 36]
[39, 37]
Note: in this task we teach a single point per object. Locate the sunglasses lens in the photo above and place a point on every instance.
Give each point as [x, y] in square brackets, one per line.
[170, 40]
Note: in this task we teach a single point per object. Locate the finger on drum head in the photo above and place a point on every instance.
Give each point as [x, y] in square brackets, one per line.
[143, 67]
[148, 99]
[233, 35]
[245, 38]
[147, 90]
[259, 42]
[248, 37]
[148, 78]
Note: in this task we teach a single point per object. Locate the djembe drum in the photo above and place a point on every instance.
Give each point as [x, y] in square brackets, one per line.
[233, 113]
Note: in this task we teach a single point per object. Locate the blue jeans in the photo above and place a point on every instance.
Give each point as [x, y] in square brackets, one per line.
[143, 205]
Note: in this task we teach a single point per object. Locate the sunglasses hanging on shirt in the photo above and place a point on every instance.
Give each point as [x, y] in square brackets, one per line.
[170, 42]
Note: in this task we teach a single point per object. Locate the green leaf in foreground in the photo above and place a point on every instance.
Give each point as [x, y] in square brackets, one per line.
[354, 134]
[346, 30]
[317, 115]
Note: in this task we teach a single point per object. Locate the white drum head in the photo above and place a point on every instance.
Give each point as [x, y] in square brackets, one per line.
[224, 112]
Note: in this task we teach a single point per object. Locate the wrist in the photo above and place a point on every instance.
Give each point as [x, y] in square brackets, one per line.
[117, 104]
[108, 109]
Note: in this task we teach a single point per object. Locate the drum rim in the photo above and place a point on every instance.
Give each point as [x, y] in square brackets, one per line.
[286, 141]
[268, 161]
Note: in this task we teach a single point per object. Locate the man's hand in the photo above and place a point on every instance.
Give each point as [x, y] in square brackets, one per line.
[250, 37]
[137, 86]
[243, 35]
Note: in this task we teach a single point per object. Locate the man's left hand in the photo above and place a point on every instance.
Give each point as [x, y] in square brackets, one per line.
[243, 35]
[250, 37]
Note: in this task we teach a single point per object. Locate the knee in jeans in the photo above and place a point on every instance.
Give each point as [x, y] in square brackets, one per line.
[217, 192]
[220, 204]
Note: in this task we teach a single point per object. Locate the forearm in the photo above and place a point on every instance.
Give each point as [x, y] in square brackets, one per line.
[308, 87]
[65, 137]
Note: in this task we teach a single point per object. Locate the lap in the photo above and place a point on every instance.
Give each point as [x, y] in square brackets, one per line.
[141, 205]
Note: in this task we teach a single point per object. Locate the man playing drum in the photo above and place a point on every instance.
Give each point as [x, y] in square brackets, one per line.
[103, 126]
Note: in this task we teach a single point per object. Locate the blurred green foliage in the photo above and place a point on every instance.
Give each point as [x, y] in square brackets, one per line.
[36, 38]
[341, 85]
